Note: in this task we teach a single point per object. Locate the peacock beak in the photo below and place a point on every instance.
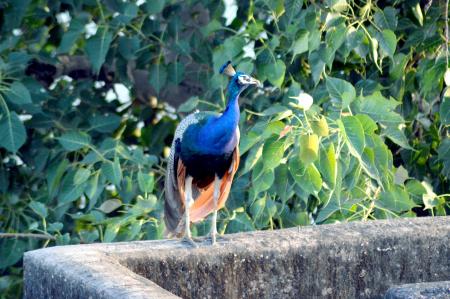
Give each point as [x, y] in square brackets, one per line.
[256, 82]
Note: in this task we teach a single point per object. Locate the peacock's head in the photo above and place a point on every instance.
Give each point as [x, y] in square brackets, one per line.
[239, 80]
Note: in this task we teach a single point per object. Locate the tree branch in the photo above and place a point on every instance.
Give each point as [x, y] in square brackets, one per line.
[27, 235]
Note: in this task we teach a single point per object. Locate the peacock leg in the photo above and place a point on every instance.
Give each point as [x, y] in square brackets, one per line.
[216, 194]
[189, 201]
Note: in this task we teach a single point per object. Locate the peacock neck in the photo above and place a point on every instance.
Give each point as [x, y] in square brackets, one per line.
[231, 113]
[219, 134]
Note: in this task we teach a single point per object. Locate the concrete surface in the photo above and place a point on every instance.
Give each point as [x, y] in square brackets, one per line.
[424, 290]
[354, 260]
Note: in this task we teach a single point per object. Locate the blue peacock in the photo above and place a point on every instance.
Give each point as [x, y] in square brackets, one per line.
[203, 160]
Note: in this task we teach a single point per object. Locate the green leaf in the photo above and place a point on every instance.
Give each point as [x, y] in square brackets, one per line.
[12, 251]
[335, 37]
[68, 191]
[431, 74]
[338, 5]
[247, 141]
[275, 72]
[97, 47]
[189, 105]
[128, 46]
[429, 198]
[273, 128]
[253, 157]
[241, 222]
[401, 175]
[374, 50]
[417, 11]
[277, 7]
[111, 232]
[39, 208]
[396, 199]
[386, 19]
[129, 12]
[18, 94]
[71, 36]
[444, 156]
[54, 175]
[92, 190]
[300, 45]
[81, 176]
[110, 205]
[264, 181]
[273, 153]
[368, 124]
[155, 6]
[12, 132]
[146, 182]
[308, 178]
[388, 43]
[73, 140]
[158, 76]
[112, 171]
[282, 184]
[353, 133]
[175, 73]
[397, 136]
[341, 90]
[379, 109]
[328, 165]
[257, 208]
[444, 111]
[398, 65]
[104, 123]
[317, 65]
[416, 190]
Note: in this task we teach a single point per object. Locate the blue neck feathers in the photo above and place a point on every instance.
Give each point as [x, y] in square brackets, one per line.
[218, 135]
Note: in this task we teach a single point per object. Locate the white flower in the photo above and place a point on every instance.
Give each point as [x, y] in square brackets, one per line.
[90, 29]
[304, 101]
[230, 12]
[110, 96]
[99, 84]
[76, 103]
[140, 125]
[17, 159]
[123, 93]
[17, 32]
[63, 18]
[82, 203]
[25, 117]
[447, 77]
[249, 50]
[110, 187]
[66, 78]
[263, 35]
[140, 2]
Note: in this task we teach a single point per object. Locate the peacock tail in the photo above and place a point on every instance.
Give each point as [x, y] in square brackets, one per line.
[174, 181]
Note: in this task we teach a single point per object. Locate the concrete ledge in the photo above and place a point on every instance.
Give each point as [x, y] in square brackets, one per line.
[427, 290]
[354, 260]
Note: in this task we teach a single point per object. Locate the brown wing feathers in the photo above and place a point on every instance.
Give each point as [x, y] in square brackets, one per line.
[204, 204]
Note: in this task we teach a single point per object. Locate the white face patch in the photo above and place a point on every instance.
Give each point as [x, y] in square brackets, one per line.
[244, 79]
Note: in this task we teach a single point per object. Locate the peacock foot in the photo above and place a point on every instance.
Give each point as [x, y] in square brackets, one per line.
[189, 241]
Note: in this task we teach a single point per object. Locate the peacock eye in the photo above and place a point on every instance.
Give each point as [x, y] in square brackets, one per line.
[243, 79]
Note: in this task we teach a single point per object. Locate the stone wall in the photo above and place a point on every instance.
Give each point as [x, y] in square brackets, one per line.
[353, 260]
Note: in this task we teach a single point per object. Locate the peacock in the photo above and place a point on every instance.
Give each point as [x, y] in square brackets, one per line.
[203, 160]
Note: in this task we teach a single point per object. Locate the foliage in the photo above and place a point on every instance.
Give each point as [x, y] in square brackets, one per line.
[83, 161]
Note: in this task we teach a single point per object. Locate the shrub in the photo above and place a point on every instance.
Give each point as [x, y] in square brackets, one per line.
[87, 91]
